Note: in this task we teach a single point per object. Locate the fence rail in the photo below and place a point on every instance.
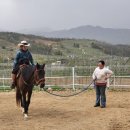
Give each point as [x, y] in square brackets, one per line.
[76, 81]
[72, 77]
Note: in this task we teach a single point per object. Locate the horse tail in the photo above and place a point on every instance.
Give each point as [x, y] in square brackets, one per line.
[18, 97]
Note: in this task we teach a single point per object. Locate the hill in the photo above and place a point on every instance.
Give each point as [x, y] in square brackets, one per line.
[70, 52]
[110, 35]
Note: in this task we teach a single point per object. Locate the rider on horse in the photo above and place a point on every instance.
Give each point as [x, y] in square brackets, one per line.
[23, 56]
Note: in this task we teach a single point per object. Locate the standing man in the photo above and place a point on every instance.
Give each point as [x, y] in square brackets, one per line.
[100, 75]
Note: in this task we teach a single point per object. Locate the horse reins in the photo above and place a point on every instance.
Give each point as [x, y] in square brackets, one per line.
[40, 80]
[36, 81]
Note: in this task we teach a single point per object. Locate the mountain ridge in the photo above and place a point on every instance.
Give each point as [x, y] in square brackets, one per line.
[103, 34]
[110, 35]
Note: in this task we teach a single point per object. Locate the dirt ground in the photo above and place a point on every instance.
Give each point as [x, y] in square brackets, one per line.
[75, 113]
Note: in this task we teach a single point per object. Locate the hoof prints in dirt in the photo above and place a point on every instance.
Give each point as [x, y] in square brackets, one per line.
[116, 125]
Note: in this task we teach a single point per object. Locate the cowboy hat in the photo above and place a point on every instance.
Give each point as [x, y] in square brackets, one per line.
[23, 43]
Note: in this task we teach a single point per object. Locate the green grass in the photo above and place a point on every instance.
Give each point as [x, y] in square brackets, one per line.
[5, 89]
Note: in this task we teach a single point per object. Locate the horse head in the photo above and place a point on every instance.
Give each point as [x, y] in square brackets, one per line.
[39, 75]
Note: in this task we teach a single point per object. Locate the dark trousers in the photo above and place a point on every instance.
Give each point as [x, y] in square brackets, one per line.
[100, 95]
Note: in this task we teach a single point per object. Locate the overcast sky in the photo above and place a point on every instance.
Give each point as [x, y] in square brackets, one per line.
[63, 14]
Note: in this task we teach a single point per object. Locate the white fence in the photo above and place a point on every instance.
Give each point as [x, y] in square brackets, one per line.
[76, 81]
[69, 77]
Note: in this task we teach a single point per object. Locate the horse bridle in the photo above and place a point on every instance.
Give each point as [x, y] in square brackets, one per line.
[38, 81]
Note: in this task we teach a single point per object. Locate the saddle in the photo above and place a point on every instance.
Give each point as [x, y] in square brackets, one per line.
[19, 71]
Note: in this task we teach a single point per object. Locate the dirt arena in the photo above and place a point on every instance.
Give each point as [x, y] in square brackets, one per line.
[76, 113]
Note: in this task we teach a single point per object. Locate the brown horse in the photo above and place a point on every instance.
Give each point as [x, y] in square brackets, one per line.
[27, 77]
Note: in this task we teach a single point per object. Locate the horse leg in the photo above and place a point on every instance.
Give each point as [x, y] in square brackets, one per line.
[29, 99]
[22, 106]
[24, 103]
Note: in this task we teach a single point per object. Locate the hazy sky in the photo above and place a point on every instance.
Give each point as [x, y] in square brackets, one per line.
[63, 14]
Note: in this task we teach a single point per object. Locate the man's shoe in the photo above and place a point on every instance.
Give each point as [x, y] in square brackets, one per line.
[96, 105]
[102, 106]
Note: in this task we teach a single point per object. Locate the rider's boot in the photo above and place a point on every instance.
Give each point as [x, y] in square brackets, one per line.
[13, 84]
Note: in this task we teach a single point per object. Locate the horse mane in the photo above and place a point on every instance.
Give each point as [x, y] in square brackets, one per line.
[27, 73]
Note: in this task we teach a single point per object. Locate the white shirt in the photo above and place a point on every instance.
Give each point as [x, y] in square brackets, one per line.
[101, 75]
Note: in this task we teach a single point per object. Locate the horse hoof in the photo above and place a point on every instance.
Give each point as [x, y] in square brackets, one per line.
[25, 116]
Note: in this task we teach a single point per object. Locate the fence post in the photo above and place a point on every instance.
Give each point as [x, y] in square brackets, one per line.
[73, 77]
[114, 82]
[3, 81]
